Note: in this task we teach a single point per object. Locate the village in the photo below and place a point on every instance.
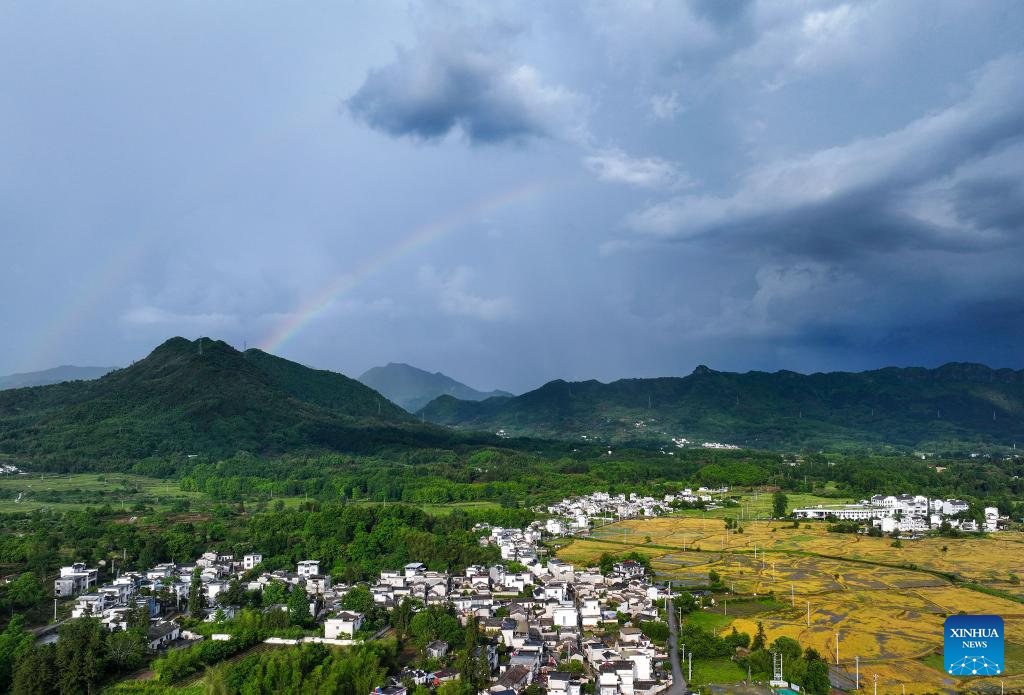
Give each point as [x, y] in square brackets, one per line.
[546, 622]
[906, 514]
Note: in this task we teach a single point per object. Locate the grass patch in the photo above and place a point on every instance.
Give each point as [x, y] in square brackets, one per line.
[446, 508]
[67, 492]
[719, 670]
[708, 620]
[935, 661]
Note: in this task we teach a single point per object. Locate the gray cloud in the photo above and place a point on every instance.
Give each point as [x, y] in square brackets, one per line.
[860, 194]
[811, 185]
[615, 166]
[442, 86]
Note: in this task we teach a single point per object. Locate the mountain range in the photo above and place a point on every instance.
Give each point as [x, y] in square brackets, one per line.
[413, 388]
[54, 375]
[958, 404]
[205, 397]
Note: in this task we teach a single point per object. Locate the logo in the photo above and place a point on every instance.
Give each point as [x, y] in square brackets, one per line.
[973, 645]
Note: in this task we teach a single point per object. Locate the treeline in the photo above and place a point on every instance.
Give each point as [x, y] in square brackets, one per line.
[83, 658]
[489, 474]
[309, 669]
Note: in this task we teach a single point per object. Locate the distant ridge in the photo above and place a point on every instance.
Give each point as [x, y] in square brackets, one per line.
[957, 404]
[412, 388]
[54, 375]
[202, 396]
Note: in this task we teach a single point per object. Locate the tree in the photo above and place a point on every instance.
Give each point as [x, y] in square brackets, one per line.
[14, 641]
[358, 599]
[274, 593]
[474, 668]
[816, 680]
[788, 647]
[760, 639]
[25, 591]
[298, 607]
[196, 595]
[35, 673]
[80, 657]
[127, 650]
[436, 622]
[402, 616]
[779, 504]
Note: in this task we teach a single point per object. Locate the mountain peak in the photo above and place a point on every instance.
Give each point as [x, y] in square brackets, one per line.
[703, 370]
[412, 387]
[199, 395]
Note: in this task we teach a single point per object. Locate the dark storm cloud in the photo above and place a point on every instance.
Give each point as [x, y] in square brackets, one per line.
[865, 193]
[438, 87]
[608, 188]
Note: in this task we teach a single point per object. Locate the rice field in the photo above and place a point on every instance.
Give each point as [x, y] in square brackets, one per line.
[887, 605]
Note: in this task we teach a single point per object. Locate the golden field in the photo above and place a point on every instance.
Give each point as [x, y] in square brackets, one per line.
[887, 604]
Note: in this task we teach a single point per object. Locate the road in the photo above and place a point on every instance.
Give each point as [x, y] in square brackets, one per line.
[678, 682]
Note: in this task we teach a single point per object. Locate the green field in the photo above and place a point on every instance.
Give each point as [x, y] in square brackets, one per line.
[79, 490]
[707, 620]
[720, 670]
[449, 507]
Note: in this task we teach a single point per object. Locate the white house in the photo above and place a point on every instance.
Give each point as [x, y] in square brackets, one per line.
[250, 560]
[566, 616]
[344, 625]
[74, 579]
[991, 518]
[308, 568]
[162, 634]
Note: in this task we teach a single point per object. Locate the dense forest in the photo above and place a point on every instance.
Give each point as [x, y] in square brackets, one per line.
[202, 397]
[940, 409]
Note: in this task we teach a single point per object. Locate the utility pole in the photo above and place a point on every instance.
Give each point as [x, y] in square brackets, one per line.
[857, 658]
[727, 606]
[689, 669]
[837, 647]
[876, 684]
[54, 610]
[808, 614]
[792, 595]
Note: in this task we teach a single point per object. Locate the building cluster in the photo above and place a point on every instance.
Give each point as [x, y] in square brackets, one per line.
[577, 514]
[536, 615]
[905, 514]
[167, 586]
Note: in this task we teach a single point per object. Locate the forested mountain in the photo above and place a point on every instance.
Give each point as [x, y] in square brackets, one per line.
[54, 375]
[412, 388]
[957, 404]
[204, 397]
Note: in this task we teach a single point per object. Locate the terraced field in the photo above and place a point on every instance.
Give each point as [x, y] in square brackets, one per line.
[886, 604]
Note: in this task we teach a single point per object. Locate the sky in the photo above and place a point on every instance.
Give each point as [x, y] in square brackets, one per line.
[513, 192]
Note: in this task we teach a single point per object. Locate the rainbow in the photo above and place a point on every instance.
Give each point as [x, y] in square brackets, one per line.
[326, 296]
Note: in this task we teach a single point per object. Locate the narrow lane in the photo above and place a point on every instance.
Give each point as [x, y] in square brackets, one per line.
[678, 682]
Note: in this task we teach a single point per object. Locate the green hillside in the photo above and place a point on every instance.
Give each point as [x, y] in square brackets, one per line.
[954, 405]
[202, 397]
[413, 388]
